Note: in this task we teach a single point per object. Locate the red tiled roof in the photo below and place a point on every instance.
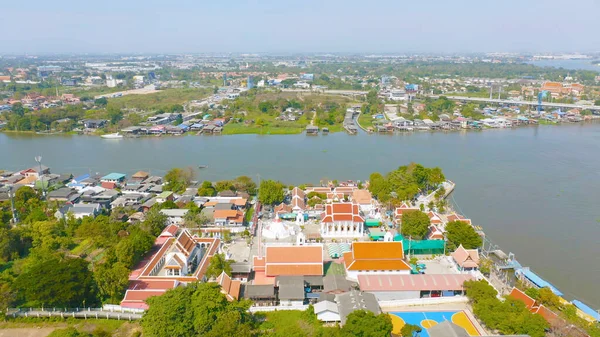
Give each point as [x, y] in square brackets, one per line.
[341, 211]
[170, 230]
[418, 282]
[224, 213]
[152, 285]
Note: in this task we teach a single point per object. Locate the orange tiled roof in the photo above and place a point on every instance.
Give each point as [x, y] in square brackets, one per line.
[362, 196]
[225, 213]
[341, 211]
[294, 254]
[518, 295]
[376, 256]
[294, 269]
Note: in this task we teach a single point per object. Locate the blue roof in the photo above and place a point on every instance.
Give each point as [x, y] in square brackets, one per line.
[81, 177]
[113, 176]
[583, 307]
[538, 281]
[183, 126]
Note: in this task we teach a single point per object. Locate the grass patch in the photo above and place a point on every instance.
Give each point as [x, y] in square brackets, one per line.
[240, 128]
[248, 215]
[82, 247]
[366, 121]
[287, 323]
[334, 268]
[160, 100]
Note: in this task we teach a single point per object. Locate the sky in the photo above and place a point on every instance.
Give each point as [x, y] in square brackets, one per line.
[291, 26]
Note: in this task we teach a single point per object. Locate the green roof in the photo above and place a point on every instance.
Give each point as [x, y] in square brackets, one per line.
[373, 223]
[164, 194]
[114, 176]
[420, 245]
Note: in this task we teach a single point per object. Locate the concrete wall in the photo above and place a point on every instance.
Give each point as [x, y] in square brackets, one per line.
[328, 316]
[396, 295]
[353, 274]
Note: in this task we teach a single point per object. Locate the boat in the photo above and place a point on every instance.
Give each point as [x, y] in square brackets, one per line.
[112, 136]
[203, 166]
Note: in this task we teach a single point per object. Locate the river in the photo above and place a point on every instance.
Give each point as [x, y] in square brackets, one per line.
[534, 190]
[567, 64]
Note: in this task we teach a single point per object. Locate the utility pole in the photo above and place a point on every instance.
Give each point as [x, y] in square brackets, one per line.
[11, 195]
[38, 159]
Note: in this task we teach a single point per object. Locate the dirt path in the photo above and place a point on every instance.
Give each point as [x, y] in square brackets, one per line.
[26, 332]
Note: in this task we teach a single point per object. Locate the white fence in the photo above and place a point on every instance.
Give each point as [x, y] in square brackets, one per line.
[278, 308]
[423, 301]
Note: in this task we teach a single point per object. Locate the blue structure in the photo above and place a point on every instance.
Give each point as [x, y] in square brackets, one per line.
[583, 307]
[539, 282]
[541, 96]
[307, 77]
[411, 87]
[250, 83]
[224, 79]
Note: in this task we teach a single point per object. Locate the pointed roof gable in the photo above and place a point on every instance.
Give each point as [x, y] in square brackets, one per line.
[404, 208]
[185, 243]
[466, 258]
[298, 193]
[229, 287]
[342, 211]
[434, 218]
[458, 217]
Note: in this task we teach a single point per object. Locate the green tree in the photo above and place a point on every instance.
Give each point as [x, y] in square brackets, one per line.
[199, 309]
[207, 189]
[245, 184]
[462, 233]
[408, 330]
[361, 323]
[224, 185]
[112, 281]
[415, 224]
[533, 293]
[178, 179]
[154, 223]
[102, 101]
[218, 264]
[270, 192]
[56, 282]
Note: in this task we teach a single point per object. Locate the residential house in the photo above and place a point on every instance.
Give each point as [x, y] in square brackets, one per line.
[327, 311]
[94, 123]
[165, 196]
[64, 194]
[139, 177]
[342, 220]
[174, 216]
[336, 284]
[78, 211]
[228, 217]
[375, 257]
[260, 295]
[112, 180]
[291, 290]
[466, 259]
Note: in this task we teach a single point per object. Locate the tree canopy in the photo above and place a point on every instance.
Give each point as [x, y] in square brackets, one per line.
[199, 309]
[270, 192]
[509, 317]
[415, 224]
[178, 179]
[406, 182]
[361, 323]
[52, 281]
[459, 232]
[218, 264]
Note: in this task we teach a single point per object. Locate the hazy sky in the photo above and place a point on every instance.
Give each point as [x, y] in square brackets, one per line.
[196, 26]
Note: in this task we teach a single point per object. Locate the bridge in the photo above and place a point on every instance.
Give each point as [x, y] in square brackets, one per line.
[99, 313]
[520, 102]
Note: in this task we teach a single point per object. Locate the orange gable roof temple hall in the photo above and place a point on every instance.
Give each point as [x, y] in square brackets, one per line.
[374, 257]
